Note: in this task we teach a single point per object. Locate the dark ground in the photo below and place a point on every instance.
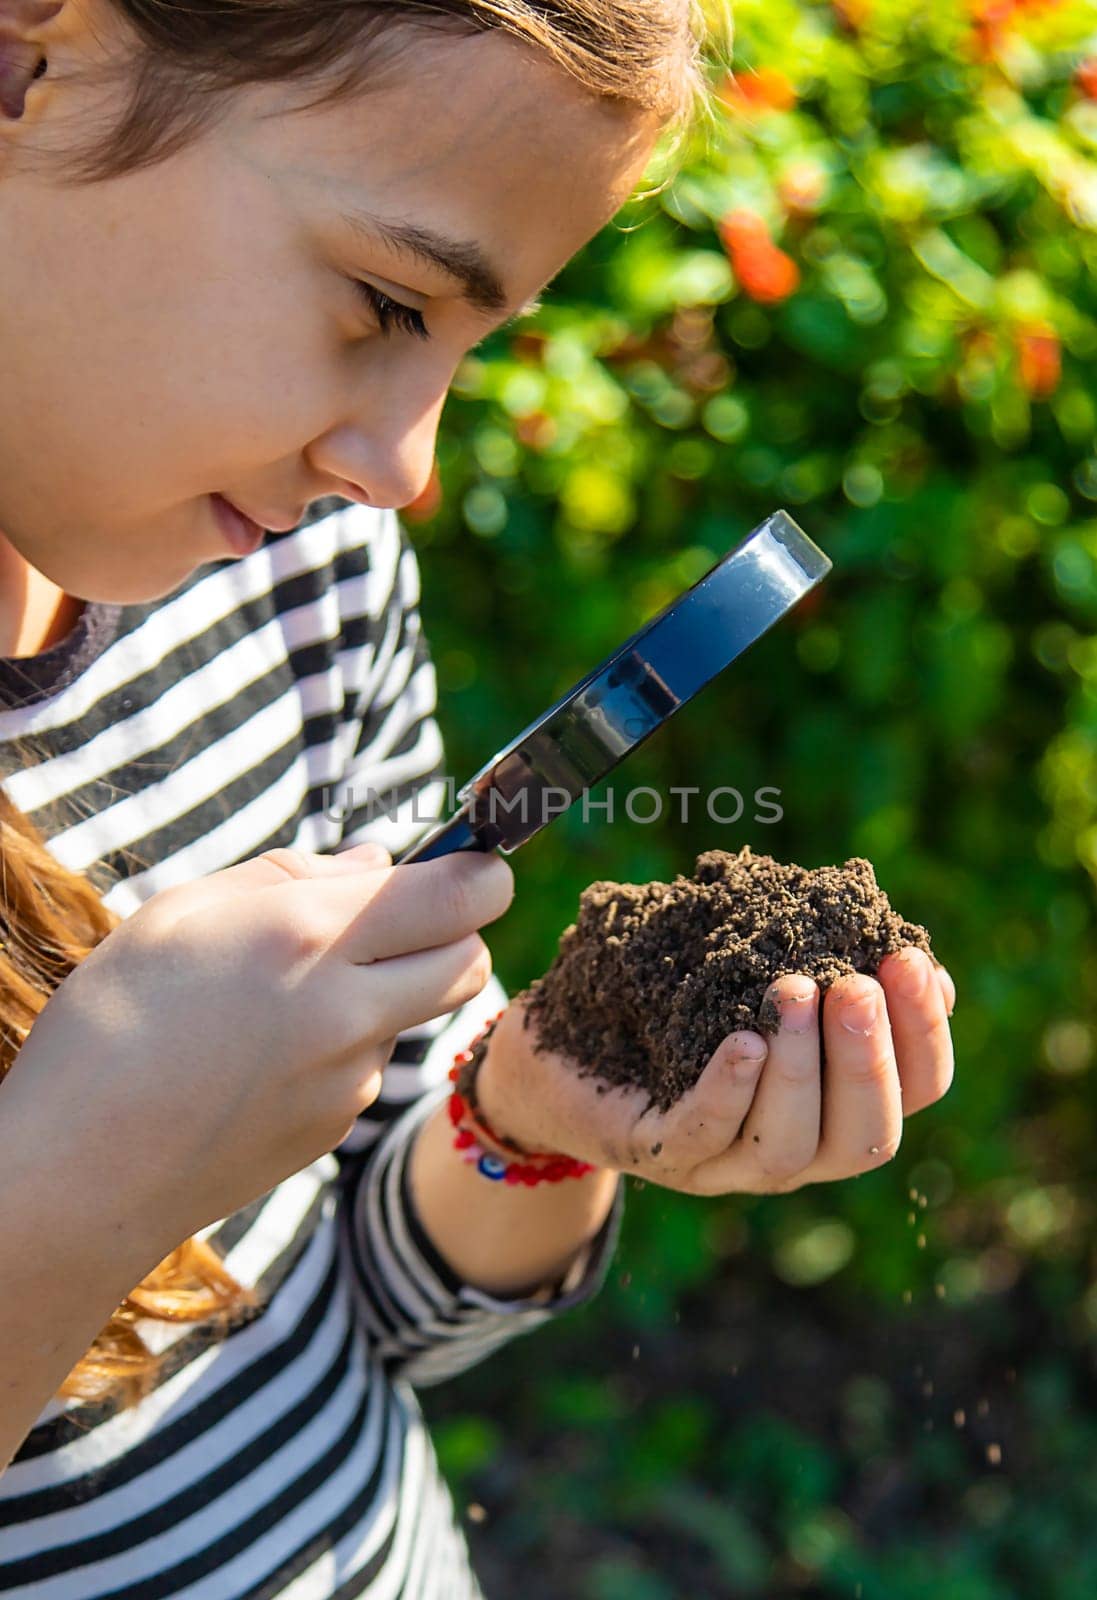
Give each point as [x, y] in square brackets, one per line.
[779, 1442]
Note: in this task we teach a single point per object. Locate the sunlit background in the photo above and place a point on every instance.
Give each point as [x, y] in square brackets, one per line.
[872, 299]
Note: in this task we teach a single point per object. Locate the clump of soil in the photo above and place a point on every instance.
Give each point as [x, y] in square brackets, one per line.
[652, 976]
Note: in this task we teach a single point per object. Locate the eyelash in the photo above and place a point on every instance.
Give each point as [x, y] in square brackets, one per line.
[391, 313]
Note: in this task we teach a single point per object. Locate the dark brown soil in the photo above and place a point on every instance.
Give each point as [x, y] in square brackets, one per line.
[653, 976]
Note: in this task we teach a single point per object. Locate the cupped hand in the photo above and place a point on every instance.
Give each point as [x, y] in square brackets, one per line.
[762, 1123]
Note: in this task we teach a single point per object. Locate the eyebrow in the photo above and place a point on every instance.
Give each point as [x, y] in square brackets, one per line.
[460, 259]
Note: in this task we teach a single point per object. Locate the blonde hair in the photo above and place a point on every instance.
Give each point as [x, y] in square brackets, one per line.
[640, 53]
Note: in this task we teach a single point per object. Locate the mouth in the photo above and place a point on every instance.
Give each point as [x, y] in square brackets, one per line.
[241, 533]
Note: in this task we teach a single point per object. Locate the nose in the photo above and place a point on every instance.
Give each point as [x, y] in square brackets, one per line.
[382, 449]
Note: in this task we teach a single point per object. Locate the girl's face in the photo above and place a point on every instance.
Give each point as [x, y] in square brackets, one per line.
[196, 329]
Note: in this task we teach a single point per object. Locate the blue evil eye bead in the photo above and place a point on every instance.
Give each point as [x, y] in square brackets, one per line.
[492, 1167]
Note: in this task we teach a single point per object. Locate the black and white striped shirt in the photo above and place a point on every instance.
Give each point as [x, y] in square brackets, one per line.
[249, 709]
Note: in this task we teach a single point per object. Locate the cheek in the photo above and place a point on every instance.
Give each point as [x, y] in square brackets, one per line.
[185, 343]
[250, 369]
[147, 404]
[234, 367]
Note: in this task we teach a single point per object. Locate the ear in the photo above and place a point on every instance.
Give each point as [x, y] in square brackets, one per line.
[22, 56]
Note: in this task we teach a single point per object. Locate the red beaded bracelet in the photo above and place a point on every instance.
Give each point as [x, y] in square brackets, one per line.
[539, 1166]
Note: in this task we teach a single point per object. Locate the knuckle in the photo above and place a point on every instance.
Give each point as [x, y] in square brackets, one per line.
[869, 1071]
[303, 936]
[795, 1072]
[786, 1185]
[288, 860]
[791, 1185]
[692, 1184]
[780, 1164]
[707, 1184]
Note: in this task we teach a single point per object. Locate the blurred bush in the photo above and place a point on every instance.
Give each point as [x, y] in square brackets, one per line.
[869, 296]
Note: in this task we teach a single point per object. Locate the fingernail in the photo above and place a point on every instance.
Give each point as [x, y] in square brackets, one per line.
[748, 1047]
[797, 1008]
[939, 966]
[913, 972]
[859, 1015]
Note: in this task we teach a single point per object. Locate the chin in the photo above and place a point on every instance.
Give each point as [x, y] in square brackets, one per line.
[108, 565]
[135, 583]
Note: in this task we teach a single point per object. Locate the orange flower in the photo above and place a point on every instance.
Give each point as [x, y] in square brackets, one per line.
[1039, 360]
[767, 274]
[742, 228]
[764, 271]
[765, 89]
[1086, 78]
[990, 22]
[852, 14]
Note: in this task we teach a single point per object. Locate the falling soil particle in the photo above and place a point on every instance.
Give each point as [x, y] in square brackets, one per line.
[652, 976]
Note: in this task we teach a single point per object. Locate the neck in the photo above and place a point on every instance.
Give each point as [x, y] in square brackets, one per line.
[35, 614]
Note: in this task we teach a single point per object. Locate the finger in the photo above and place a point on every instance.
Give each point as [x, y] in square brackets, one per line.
[862, 1100]
[395, 911]
[948, 988]
[386, 997]
[270, 870]
[360, 851]
[706, 1119]
[782, 1131]
[919, 1027]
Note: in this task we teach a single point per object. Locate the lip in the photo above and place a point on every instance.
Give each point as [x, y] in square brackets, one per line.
[242, 534]
[277, 523]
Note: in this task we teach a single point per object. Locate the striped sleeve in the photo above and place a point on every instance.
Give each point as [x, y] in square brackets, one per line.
[426, 1323]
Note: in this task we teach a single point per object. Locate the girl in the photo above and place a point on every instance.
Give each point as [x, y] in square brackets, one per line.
[243, 248]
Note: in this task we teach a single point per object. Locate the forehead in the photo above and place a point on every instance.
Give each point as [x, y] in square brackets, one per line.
[480, 136]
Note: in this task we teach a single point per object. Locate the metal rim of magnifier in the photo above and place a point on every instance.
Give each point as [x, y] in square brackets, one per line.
[610, 712]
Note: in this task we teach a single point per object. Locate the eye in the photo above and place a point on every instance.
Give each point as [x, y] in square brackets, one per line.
[390, 313]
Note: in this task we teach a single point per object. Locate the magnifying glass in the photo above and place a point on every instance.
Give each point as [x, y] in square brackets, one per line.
[610, 712]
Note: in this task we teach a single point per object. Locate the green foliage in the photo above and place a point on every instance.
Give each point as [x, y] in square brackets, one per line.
[903, 352]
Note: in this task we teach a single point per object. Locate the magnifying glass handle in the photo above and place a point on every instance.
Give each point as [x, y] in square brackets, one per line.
[611, 711]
